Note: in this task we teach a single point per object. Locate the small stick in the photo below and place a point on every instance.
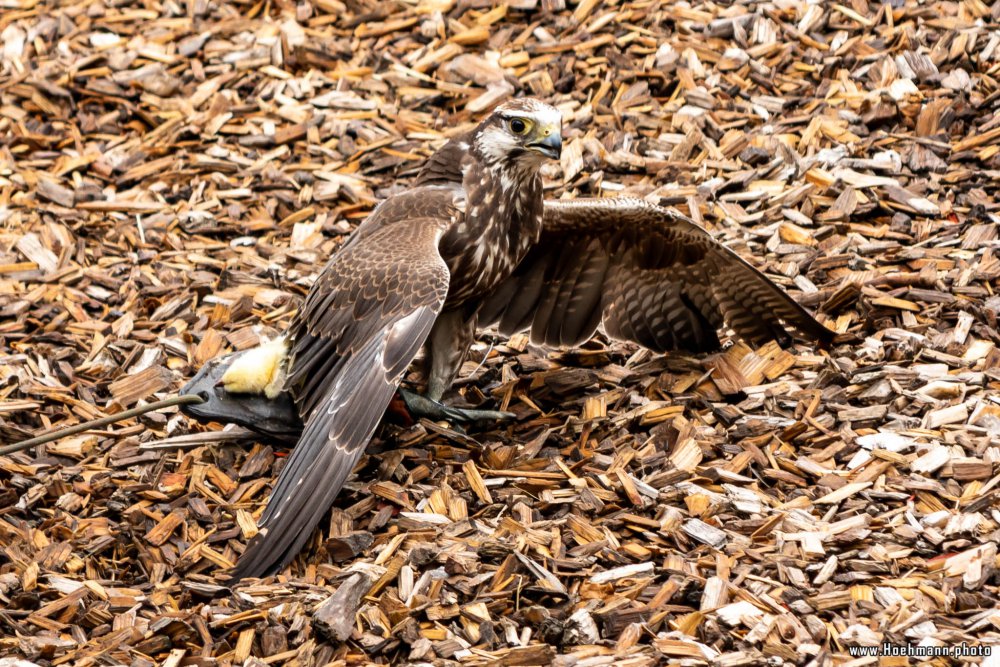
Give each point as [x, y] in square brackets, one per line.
[197, 439]
[187, 399]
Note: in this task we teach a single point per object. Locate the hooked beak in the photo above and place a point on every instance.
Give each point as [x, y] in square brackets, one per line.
[550, 145]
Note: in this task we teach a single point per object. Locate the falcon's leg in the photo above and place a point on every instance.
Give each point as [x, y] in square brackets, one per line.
[447, 346]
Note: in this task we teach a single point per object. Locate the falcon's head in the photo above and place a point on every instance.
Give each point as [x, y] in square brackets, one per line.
[520, 133]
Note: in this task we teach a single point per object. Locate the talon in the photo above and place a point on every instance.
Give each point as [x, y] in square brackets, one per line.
[422, 406]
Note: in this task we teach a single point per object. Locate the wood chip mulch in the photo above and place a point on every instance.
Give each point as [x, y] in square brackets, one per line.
[173, 174]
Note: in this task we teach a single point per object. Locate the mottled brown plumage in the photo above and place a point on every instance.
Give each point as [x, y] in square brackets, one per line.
[408, 274]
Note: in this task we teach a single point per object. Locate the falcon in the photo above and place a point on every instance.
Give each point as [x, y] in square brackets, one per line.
[473, 244]
[412, 273]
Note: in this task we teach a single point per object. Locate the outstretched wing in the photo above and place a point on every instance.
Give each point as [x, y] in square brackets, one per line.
[362, 323]
[652, 275]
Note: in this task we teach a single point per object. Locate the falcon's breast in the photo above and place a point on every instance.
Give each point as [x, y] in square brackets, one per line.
[501, 222]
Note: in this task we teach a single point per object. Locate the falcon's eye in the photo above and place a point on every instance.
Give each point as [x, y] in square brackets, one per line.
[518, 125]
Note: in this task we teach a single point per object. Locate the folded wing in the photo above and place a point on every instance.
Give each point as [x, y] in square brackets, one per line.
[650, 274]
[362, 324]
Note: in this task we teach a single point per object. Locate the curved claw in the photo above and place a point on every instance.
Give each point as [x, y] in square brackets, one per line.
[421, 406]
[274, 418]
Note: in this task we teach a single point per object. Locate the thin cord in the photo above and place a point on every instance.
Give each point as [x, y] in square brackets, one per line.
[49, 436]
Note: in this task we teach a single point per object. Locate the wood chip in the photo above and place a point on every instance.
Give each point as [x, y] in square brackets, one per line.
[173, 175]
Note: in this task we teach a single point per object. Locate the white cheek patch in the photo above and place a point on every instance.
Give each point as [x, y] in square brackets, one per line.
[495, 144]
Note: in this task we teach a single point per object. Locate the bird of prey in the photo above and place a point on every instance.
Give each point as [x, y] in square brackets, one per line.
[474, 244]
[413, 272]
